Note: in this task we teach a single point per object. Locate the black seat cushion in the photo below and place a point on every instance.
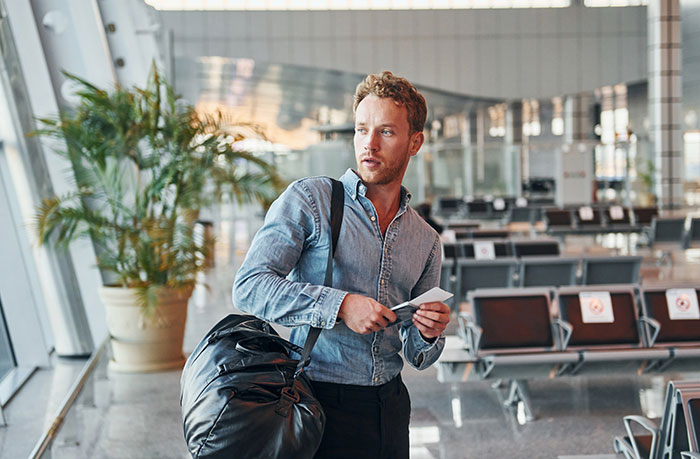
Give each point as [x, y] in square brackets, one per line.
[557, 217]
[644, 215]
[534, 248]
[671, 330]
[451, 250]
[595, 221]
[622, 331]
[514, 322]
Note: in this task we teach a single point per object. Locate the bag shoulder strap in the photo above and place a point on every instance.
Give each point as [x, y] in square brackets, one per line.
[337, 208]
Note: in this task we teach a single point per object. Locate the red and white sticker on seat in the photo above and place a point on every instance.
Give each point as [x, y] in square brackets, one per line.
[617, 213]
[596, 307]
[484, 250]
[682, 304]
[585, 213]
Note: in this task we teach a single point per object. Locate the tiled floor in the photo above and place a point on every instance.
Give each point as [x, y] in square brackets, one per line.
[138, 416]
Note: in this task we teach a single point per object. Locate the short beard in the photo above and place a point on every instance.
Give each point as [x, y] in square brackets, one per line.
[387, 176]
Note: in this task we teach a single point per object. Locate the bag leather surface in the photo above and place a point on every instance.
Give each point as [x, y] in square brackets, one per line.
[237, 400]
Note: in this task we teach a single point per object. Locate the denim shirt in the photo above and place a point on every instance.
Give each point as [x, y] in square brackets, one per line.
[281, 278]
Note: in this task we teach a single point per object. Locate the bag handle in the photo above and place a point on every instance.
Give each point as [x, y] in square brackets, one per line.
[256, 335]
[337, 208]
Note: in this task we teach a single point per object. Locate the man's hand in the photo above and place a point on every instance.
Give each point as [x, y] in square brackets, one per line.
[431, 319]
[364, 315]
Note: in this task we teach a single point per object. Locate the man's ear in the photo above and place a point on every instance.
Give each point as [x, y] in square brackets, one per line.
[416, 141]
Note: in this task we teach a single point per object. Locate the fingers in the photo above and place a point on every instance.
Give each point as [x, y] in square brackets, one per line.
[365, 315]
[431, 315]
[389, 315]
[383, 316]
[432, 319]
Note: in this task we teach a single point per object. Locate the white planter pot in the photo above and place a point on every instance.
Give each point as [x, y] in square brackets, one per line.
[145, 343]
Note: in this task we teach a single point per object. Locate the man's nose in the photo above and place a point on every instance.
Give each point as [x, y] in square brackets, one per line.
[372, 143]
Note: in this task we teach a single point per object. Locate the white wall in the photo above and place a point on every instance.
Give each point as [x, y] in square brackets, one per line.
[495, 53]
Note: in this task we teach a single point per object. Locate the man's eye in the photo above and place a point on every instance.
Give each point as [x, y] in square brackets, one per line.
[386, 132]
[360, 130]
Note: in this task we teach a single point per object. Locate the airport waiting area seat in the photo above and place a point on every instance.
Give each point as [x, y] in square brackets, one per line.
[481, 234]
[532, 265]
[604, 325]
[535, 247]
[504, 248]
[449, 206]
[588, 218]
[600, 219]
[548, 271]
[520, 215]
[672, 321]
[644, 215]
[667, 235]
[451, 251]
[511, 335]
[692, 239]
[678, 432]
[521, 333]
[558, 220]
[610, 270]
[478, 209]
[474, 274]
[618, 216]
[668, 232]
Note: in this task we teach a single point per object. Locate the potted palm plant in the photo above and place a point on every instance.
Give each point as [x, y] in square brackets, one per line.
[144, 163]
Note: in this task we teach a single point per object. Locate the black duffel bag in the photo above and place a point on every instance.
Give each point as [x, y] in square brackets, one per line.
[240, 398]
[243, 396]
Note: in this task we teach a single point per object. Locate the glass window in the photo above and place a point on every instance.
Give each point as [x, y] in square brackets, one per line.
[7, 357]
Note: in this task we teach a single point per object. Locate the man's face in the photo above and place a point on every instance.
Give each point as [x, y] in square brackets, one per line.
[383, 143]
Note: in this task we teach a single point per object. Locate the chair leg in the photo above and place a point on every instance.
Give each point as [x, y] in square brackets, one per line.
[519, 391]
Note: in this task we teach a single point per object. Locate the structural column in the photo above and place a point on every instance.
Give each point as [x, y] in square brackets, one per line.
[516, 170]
[664, 44]
[577, 118]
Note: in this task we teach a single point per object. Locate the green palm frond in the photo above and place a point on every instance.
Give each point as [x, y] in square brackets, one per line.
[143, 164]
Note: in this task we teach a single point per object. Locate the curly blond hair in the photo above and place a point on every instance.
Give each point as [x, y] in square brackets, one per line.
[386, 84]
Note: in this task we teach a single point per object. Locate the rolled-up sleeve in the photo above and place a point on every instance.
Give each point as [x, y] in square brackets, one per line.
[262, 286]
[418, 352]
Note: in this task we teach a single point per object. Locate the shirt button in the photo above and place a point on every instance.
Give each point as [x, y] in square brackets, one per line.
[382, 281]
[372, 218]
[323, 323]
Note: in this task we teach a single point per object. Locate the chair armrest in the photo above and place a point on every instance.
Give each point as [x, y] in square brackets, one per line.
[564, 331]
[648, 425]
[655, 326]
[689, 455]
[470, 332]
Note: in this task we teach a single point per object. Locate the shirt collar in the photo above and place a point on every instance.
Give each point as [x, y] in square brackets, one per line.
[354, 187]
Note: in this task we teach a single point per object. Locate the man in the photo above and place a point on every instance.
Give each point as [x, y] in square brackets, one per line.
[386, 255]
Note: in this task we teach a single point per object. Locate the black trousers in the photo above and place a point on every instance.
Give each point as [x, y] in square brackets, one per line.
[364, 421]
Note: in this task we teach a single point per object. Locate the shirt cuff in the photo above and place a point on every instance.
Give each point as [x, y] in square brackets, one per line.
[422, 348]
[329, 306]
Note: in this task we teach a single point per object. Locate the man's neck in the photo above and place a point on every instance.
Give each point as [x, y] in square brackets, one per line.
[386, 200]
